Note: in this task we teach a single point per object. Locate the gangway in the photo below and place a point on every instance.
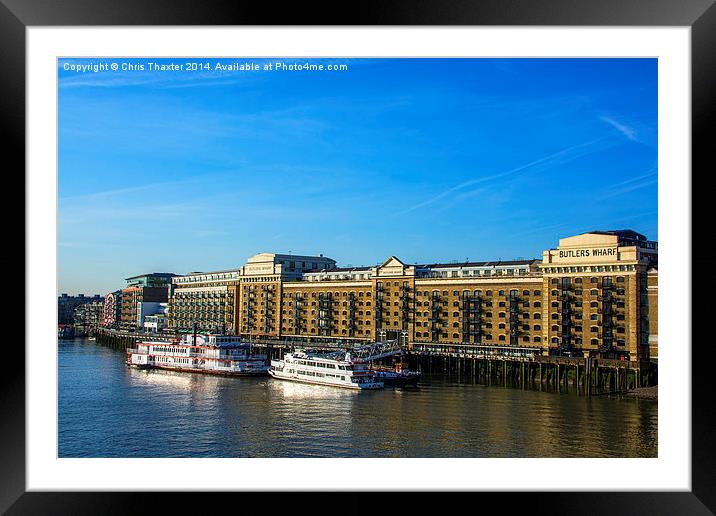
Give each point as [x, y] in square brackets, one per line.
[377, 350]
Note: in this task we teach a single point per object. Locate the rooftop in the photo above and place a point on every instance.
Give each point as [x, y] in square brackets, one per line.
[498, 263]
[153, 275]
[621, 233]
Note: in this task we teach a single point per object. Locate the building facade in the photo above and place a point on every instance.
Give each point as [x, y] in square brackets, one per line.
[66, 306]
[143, 290]
[112, 309]
[212, 300]
[153, 279]
[89, 315]
[598, 296]
[594, 295]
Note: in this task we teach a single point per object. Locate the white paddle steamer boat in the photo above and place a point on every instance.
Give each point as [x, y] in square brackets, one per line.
[200, 353]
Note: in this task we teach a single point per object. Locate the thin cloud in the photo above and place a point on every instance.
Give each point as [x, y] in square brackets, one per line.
[631, 188]
[627, 131]
[568, 153]
[635, 183]
[116, 191]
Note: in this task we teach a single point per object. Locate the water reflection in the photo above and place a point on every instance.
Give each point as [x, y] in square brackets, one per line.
[307, 391]
[104, 406]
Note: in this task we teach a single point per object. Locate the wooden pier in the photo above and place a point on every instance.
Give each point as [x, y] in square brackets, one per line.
[492, 365]
[587, 376]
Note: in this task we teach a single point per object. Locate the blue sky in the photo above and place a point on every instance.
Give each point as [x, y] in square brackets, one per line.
[427, 159]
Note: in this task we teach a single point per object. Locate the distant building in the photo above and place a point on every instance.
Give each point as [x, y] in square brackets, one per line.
[66, 306]
[153, 279]
[155, 323]
[90, 315]
[147, 309]
[138, 296]
[112, 309]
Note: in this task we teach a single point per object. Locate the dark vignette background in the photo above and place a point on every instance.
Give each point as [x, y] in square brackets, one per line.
[16, 15]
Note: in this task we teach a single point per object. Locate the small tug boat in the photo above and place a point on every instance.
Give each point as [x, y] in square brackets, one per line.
[205, 353]
[397, 376]
[338, 369]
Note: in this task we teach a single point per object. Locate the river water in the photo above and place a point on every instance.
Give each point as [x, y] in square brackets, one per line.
[109, 410]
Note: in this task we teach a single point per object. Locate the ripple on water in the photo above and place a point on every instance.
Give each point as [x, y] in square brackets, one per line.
[109, 410]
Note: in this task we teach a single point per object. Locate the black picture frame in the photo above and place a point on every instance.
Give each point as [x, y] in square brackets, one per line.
[699, 15]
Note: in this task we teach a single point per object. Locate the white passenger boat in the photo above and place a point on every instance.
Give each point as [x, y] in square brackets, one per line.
[200, 353]
[338, 369]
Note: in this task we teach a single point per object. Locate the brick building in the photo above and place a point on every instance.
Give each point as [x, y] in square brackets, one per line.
[595, 294]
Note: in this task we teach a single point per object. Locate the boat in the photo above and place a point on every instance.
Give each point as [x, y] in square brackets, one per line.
[338, 369]
[65, 331]
[397, 376]
[200, 353]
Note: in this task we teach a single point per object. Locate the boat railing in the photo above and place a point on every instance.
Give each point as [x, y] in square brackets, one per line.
[238, 356]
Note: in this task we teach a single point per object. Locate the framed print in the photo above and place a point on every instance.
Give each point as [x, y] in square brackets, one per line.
[417, 253]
